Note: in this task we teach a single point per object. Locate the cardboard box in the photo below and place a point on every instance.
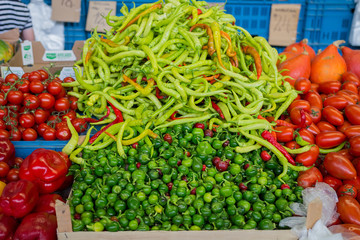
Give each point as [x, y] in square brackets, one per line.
[35, 53]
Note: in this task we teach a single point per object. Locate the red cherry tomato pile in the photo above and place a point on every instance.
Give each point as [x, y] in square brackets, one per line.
[10, 173]
[35, 105]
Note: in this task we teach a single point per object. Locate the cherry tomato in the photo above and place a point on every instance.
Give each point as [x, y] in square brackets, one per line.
[348, 190]
[350, 86]
[343, 127]
[57, 79]
[314, 99]
[347, 97]
[333, 182]
[339, 166]
[68, 80]
[309, 177]
[31, 102]
[54, 88]
[73, 102]
[79, 124]
[15, 134]
[18, 161]
[307, 135]
[35, 76]
[3, 101]
[11, 78]
[23, 86]
[60, 125]
[355, 146]
[4, 134]
[301, 104]
[3, 113]
[27, 120]
[4, 169]
[302, 84]
[349, 209]
[49, 134]
[333, 116]
[61, 94]
[2, 124]
[15, 97]
[329, 87]
[13, 175]
[284, 134]
[47, 101]
[329, 139]
[36, 87]
[314, 87]
[295, 116]
[26, 75]
[5, 88]
[62, 104]
[315, 114]
[352, 113]
[41, 115]
[337, 101]
[12, 122]
[41, 128]
[308, 158]
[63, 133]
[325, 126]
[313, 129]
[71, 114]
[29, 134]
[350, 77]
[353, 96]
[44, 74]
[352, 131]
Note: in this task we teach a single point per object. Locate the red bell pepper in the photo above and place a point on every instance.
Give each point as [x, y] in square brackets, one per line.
[19, 198]
[7, 152]
[46, 168]
[46, 203]
[37, 226]
[7, 226]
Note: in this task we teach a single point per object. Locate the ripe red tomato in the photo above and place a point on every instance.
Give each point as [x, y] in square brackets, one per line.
[302, 84]
[11, 78]
[313, 129]
[354, 182]
[29, 134]
[26, 75]
[36, 87]
[27, 120]
[68, 80]
[2, 124]
[61, 94]
[352, 131]
[49, 134]
[314, 99]
[15, 97]
[347, 97]
[355, 146]
[4, 169]
[60, 125]
[345, 92]
[325, 126]
[350, 87]
[73, 102]
[315, 114]
[350, 77]
[333, 182]
[3, 101]
[339, 166]
[54, 88]
[3, 113]
[329, 87]
[309, 177]
[31, 102]
[295, 116]
[329, 139]
[71, 114]
[47, 101]
[348, 190]
[62, 104]
[34, 76]
[12, 122]
[5, 88]
[79, 124]
[306, 135]
[301, 104]
[44, 74]
[349, 210]
[63, 133]
[4, 134]
[284, 134]
[23, 86]
[15, 134]
[337, 101]
[41, 128]
[13, 175]
[343, 127]
[333, 116]
[308, 158]
[18, 161]
[352, 113]
[41, 115]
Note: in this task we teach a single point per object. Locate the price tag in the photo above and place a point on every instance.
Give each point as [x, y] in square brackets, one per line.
[66, 10]
[98, 10]
[283, 24]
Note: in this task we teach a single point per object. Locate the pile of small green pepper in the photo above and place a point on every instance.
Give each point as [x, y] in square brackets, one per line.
[188, 178]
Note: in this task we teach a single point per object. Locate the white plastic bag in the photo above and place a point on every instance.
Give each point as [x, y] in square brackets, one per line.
[47, 31]
[354, 38]
[328, 197]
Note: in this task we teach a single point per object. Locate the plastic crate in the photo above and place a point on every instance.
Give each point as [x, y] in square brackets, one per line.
[328, 21]
[25, 148]
[254, 16]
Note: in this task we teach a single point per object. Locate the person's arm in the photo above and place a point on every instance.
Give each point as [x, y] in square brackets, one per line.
[28, 34]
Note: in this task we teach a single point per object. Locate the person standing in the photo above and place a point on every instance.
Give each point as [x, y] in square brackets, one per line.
[15, 14]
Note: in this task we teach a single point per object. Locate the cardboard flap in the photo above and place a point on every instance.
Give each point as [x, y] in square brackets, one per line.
[63, 217]
[12, 36]
[66, 10]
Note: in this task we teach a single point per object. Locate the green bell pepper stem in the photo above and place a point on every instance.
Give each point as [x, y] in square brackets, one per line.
[71, 145]
[336, 149]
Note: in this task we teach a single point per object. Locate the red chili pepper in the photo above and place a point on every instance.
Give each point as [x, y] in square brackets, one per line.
[19, 198]
[8, 226]
[203, 168]
[267, 136]
[37, 226]
[285, 186]
[273, 133]
[285, 123]
[198, 12]
[98, 120]
[216, 107]
[117, 112]
[97, 134]
[46, 203]
[157, 91]
[46, 168]
[252, 51]
[265, 156]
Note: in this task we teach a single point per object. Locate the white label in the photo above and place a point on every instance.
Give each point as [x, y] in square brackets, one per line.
[27, 53]
[67, 72]
[7, 70]
[59, 56]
